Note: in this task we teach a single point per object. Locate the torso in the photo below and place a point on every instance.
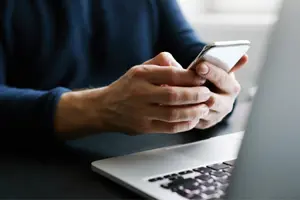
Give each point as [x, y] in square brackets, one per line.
[78, 44]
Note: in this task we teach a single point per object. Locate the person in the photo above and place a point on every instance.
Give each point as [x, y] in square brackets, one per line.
[74, 68]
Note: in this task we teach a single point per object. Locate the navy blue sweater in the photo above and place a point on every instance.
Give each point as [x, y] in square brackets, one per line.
[50, 47]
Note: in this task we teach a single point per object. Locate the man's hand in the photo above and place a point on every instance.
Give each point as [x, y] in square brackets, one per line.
[223, 96]
[138, 103]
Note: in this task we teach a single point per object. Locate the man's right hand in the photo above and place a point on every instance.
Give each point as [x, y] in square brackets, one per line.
[137, 102]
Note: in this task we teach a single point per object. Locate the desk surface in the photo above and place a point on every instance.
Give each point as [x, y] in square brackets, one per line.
[65, 172]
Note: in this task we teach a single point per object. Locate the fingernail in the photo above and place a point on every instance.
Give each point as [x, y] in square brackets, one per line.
[203, 69]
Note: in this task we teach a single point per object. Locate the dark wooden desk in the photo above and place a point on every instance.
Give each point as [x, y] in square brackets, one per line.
[65, 171]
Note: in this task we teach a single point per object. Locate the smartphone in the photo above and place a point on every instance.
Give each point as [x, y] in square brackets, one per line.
[224, 54]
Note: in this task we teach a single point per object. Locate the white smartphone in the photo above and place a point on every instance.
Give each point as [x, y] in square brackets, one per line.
[224, 54]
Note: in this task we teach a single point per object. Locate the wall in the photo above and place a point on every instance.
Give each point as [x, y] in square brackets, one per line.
[228, 26]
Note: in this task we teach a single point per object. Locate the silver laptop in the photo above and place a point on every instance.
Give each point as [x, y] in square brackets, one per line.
[268, 164]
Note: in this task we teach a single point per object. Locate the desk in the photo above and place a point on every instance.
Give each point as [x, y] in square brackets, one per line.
[65, 172]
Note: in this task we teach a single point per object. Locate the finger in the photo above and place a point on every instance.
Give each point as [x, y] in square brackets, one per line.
[160, 75]
[220, 103]
[204, 124]
[178, 113]
[220, 78]
[216, 102]
[211, 116]
[172, 95]
[171, 128]
[164, 59]
[240, 63]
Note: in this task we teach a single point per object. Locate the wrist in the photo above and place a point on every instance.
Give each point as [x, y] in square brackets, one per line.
[75, 115]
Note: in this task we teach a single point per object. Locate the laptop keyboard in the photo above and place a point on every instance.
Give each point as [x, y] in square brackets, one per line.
[209, 182]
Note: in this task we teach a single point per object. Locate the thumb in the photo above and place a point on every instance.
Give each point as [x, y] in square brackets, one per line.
[164, 59]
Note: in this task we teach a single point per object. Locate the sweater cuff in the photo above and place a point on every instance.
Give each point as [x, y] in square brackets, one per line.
[51, 100]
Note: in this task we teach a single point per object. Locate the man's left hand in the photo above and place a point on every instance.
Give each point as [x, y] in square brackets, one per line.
[224, 92]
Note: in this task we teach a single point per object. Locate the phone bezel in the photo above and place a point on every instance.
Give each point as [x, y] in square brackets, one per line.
[217, 45]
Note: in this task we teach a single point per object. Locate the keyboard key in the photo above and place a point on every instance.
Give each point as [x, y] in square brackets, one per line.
[231, 162]
[173, 178]
[185, 172]
[209, 194]
[223, 181]
[223, 188]
[204, 178]
[218, 166]
[203, 170]
[228, 170]
[196, 192]
[167, 176]
[219, 174]
[182, 173]
[208, 186]
[152, 180]
[185, 193]
[197, 197]
[178, 182]
[155, 179]
[166, 186]
[191, 184]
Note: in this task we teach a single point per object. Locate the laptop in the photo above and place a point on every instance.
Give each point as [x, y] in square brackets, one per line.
[261, 163]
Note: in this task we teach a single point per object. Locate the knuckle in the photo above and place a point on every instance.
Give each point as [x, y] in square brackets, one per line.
[197, 96]
[137, 71]
[189, 125]
[200, 95]
[172, 115]
[194, 114]
[172, 95]
[164, 55]
[140, 91]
